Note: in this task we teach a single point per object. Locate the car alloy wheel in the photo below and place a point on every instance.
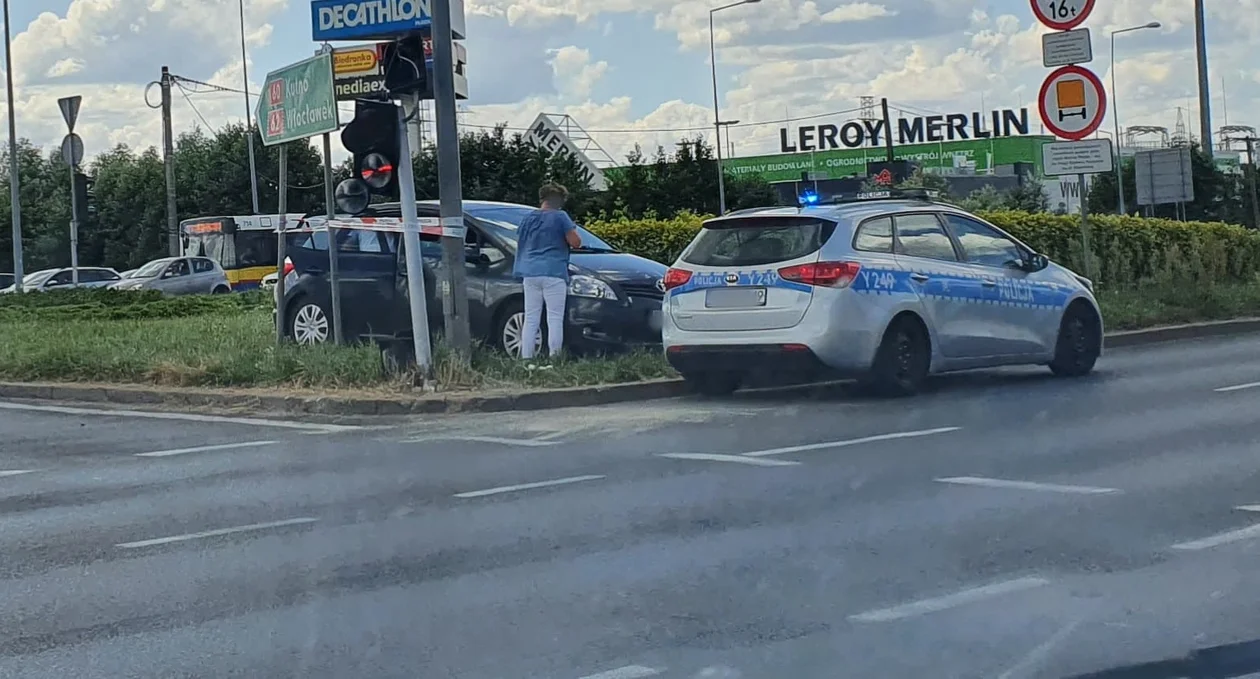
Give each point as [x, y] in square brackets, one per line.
[310, 325]
[513, 329]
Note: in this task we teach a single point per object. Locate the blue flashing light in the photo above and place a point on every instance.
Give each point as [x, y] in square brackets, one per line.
[809, 198]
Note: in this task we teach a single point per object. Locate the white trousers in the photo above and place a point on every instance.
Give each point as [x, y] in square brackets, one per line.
[543, 291]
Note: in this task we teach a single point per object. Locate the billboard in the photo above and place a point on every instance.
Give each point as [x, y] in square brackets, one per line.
[980, 154]
[543, 134]
[946, 127]
[358, 71]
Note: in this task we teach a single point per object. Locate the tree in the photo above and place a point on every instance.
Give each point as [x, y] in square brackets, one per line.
[1217, 196]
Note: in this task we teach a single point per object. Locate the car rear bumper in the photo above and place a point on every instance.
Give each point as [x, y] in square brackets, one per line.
[780, 361]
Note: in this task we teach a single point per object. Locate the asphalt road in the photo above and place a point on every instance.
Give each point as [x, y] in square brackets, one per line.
[1005, 524]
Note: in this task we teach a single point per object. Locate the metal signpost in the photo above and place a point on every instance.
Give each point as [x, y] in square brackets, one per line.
[1164, 176]
[1072, 102]
[299, 102]
[69, 145]
[345, 20]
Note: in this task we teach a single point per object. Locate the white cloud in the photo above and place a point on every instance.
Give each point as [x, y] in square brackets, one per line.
[858, 11]
[575, 75]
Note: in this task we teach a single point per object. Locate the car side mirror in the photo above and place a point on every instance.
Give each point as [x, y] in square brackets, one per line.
[476, 256]
[1032, 262]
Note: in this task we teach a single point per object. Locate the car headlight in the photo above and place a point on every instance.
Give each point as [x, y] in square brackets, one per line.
[588, 286]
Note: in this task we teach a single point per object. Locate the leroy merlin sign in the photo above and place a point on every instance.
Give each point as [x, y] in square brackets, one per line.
[298, 101]
[980, 154]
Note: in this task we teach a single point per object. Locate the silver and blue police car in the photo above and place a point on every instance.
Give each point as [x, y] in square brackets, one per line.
[888, 287]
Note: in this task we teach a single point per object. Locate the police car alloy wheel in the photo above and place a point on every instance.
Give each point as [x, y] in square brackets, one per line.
[902, 361]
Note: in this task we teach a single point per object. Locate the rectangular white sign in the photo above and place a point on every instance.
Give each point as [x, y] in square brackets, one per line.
[1062, 48]
[1090, 156]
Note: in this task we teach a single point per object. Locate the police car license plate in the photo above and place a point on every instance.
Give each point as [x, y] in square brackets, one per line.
[735, 298]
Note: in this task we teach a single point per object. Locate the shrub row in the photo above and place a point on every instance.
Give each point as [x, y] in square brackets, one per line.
[115, 305]
[1123, 252]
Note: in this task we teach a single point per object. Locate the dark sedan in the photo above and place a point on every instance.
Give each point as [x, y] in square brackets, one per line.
[614, 297]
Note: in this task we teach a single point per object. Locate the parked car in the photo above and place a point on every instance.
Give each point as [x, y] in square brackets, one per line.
[63, 279]
[888, 287]
[178, 276]
[128, 273]
[614, 297]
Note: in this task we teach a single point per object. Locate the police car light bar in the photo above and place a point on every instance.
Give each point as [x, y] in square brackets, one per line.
[888, 194]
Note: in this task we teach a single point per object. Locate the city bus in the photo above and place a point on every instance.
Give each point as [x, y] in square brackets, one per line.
[245, 245]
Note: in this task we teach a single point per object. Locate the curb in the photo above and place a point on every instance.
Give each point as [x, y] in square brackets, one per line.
[1169, 333]
[237, 402]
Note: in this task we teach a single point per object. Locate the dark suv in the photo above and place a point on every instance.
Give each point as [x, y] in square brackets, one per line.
[614, 297]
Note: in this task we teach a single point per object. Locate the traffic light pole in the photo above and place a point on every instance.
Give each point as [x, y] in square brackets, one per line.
[451, 209]
[74, 228]
[334, 278]
[416, 298]
[281, 242]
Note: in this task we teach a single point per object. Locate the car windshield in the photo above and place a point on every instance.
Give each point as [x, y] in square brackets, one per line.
[508, 218]
[38, 277]
[152, 269]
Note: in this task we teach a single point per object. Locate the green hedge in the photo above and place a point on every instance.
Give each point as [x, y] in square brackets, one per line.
[1125, 251]
[103, 304]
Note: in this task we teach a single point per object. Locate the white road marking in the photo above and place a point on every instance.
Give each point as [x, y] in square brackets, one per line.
[1026, 485]
[948, 601]
[533, 443]
[206, 449]
[187, 417]
[528, 486]
[851, 442]
[738, 459]
[16, 472]
[627, 672]
[1249, 508]
[1035, 656]
[1220, 539]
[1239, 387]
[216, 532]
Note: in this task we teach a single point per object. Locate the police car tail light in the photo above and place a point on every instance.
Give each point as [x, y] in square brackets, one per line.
[828, 274]
[676, 277]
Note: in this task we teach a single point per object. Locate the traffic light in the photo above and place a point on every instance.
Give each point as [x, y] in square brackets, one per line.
[84, 197]
[405, 72]
[372, 139]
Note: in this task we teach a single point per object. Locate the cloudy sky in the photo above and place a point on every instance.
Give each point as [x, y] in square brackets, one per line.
[638, 71]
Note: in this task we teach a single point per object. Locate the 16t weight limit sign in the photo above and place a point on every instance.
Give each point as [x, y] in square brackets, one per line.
[1063, 15]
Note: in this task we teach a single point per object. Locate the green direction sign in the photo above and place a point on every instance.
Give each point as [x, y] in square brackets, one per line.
[979, 154]
[298, 101]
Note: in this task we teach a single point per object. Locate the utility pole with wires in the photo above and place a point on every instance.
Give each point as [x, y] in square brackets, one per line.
[168, 163]
[249, 123]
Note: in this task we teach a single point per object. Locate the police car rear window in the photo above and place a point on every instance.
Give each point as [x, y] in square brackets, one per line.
[753, 242]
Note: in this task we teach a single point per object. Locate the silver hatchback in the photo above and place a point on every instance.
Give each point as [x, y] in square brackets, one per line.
[887, 287]
[178, 276]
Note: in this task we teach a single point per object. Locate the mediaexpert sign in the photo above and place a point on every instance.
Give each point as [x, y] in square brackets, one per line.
[919, 129]
[298, 101]
[340, 20]
[1072, 102]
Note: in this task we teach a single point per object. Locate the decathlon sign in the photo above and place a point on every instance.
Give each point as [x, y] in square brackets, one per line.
[335, 20]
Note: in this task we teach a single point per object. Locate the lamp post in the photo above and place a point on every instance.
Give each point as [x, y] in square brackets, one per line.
[249, 125]
[1115, 110]
[14, 175]
[717, 120]
[730, 152]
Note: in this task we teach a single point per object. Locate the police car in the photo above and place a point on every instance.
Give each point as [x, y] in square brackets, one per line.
[887, 286]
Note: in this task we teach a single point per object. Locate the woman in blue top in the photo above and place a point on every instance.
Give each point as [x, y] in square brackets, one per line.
[543, 241]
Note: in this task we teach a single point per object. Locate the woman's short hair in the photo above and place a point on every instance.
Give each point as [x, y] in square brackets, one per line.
[552, 192]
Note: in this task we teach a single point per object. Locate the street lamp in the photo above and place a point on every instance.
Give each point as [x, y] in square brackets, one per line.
[717, 120]
[1115, 110]
[14, 175]
[730, 148]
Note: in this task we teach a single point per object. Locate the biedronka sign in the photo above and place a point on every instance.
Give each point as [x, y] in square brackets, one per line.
[928, 129]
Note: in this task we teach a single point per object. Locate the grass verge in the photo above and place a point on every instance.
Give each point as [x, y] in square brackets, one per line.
[230, 342]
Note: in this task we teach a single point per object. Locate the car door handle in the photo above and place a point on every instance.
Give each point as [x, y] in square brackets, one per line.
[988, 282]
[919, 277]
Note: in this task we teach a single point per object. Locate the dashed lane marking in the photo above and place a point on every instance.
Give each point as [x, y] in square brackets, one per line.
[1239, 387]
[851, 442]
[528, 486]
[1219, 539]
[966, 596]
[532, 443]
[215, 533]
[205, 449]
[1026, 485]
[627, 672]
[186, 417]
[738, 459]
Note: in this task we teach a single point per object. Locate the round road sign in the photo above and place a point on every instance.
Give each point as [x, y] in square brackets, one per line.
[1063, 15]
[72, 150]
[1072, 102]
